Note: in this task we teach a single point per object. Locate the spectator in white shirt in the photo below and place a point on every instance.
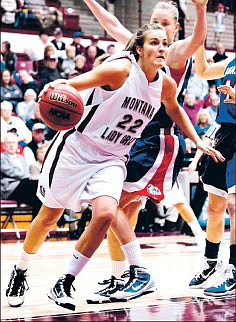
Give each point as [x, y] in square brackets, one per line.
[8, 121]
[25, 109]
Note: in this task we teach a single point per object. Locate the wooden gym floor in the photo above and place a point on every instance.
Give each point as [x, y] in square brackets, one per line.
[173, 260]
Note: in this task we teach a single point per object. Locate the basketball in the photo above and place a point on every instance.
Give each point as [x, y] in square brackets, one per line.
[61, 107]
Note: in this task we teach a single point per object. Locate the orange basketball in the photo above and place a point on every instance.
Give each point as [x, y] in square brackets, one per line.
[61, 107]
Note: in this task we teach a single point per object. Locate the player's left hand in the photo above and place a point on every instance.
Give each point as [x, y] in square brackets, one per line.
[228, 90]
[207, 149]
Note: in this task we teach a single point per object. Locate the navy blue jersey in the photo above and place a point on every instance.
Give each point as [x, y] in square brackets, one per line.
[227, 111]
[161, 118]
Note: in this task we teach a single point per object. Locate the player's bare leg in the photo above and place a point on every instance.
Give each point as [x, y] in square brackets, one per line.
[214, 234]
[103, 212]
[35, 236]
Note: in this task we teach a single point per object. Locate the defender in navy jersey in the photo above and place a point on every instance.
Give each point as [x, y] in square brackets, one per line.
[219, 180]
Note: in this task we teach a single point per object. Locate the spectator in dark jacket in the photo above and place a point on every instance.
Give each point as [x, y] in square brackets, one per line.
[26, 81]
[50, 72]
[9, 57]
[10, 92]
[80, 49]
[38, 138]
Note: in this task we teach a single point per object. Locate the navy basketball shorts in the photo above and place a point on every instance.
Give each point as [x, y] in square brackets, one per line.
[220, 178]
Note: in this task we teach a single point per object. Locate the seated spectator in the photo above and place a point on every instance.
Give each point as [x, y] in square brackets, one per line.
[9, 121]
[111, 49]
[79, 49]
[9, 91]
[49, 133]
[203, 122]
[197, 86]
[48, 17]
[212, 91]
[59, 44]
[9, 57]
[25, 109]
[213, 108]
[68, 63]
[79, 64]
[90, 58]
[15, 177]
[22, 13]
[20, 149]
[38, 138]
[26, 81]
[48, 50]
[8, 8]
[219, 56]
[94, 42]
[191, 107]
[50, 72]
[35, 167]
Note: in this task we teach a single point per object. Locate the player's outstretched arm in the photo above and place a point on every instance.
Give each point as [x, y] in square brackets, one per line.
[99, 76]
[208, 71]
[182, 50]
[109, 22]
[180, 117]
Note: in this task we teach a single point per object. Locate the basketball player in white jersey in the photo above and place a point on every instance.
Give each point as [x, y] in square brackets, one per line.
[87, 163]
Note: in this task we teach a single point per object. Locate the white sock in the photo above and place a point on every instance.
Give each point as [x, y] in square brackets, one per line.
[76, 263]
[118, 267]
[195, 227]
[133, 253]
[24, 260]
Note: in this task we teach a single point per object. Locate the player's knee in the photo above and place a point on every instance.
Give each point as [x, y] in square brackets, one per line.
[216, 211]
[49, 218]
[231, 204]
[105, 216]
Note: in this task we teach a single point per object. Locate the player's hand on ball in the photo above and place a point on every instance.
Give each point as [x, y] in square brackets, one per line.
[51, 85]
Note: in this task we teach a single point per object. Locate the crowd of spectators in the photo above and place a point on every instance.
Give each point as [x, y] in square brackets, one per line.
[30, 14]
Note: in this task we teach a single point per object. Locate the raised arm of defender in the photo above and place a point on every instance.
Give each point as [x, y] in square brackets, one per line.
[109, 22]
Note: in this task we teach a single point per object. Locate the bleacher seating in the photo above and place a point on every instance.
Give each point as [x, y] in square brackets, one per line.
[24, 62]
[71, 19]
[10, 209]
[53, 3]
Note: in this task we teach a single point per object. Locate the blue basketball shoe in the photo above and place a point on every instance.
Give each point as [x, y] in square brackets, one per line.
[226, 285]
[208, 272]
[103, 296]
[140, 283]
[61, 292]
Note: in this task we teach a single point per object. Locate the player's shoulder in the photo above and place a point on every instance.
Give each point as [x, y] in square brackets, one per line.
[168, 81]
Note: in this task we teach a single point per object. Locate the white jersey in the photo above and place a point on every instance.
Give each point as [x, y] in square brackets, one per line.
[114, 119]
[89, 161]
